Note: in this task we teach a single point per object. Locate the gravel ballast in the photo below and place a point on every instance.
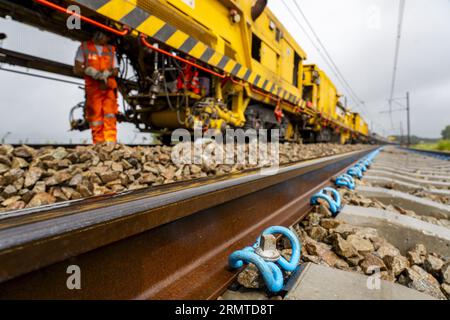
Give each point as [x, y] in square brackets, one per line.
[32, 177]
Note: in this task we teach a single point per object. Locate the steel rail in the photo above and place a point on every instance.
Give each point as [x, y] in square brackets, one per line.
[20, 59]
[169, 242]
[16, 58]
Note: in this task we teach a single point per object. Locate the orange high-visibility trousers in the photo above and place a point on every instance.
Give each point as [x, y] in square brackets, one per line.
[101, 99]
[101, 110]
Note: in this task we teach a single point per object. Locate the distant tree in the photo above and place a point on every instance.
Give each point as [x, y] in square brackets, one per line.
[446, 133]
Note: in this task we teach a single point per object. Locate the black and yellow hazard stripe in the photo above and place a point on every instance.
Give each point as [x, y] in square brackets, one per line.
[127, 12]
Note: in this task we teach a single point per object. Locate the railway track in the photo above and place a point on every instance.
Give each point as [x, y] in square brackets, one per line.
[444, 155]
[395, 221]
[165, 242]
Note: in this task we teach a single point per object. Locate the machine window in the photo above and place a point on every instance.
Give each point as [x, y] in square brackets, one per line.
[256, 48]
[297, 61]
[278, 35]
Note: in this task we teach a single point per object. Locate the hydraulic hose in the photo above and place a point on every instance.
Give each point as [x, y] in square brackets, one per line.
[148, 45]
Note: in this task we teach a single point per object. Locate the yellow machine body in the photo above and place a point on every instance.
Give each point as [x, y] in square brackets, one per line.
[320, 91]
[360, 126]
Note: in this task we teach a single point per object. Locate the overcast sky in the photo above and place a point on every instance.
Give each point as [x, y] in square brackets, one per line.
[358, 34]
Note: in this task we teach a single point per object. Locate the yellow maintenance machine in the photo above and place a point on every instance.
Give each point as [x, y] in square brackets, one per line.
[209, 64]
[330, 122]
[360, 127]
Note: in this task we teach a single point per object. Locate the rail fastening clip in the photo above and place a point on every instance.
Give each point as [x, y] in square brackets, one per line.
[334, 201]
[265, 256]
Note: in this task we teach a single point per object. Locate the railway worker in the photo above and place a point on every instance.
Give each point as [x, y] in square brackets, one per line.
[189, 78]
[97, 62]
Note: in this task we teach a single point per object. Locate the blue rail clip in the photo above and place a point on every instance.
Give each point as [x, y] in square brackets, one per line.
[270, 265]
[345, 180]
[334, 201]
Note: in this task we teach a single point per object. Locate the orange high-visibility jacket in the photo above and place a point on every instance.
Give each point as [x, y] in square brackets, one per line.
[100, 61]
[189, 79]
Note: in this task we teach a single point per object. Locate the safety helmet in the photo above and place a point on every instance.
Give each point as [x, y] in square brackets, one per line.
[99, 35]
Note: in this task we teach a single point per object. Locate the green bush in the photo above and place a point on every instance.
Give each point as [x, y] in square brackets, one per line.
[443, 145]
[446, 133]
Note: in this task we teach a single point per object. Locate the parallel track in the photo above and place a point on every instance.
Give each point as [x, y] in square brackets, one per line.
[169, 242]
[440, 154]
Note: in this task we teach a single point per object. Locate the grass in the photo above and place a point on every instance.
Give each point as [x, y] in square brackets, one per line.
[441, 145]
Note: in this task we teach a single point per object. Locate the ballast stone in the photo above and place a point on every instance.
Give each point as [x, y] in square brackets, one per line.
[418, 279]
[105, 169]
